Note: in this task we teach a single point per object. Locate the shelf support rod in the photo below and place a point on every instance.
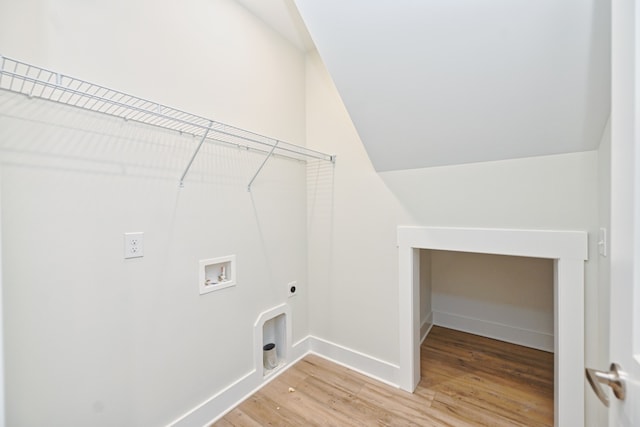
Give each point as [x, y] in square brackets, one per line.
[262, 165]
[195, 153]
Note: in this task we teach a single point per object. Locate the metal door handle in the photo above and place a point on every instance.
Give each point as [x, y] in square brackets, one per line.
[611, 378]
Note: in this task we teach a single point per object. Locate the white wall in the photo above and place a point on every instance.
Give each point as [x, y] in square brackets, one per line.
[90, 338]
[353, 258]
[211, 58]
[352, 232]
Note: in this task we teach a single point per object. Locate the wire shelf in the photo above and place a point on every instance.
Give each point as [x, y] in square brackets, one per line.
[37, 82]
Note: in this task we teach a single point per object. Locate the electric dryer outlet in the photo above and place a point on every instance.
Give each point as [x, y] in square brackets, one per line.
[292, 288]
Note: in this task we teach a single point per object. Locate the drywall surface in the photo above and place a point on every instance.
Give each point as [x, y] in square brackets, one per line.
[504, 297]
[92, 339]
[549, 192]
[353, 256]
[211, 58]
[353, 263]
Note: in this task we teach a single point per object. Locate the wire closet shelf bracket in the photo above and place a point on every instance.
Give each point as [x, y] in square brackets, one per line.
[37, 82]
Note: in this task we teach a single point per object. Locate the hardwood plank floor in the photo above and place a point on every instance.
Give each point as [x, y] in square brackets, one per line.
[467, 381]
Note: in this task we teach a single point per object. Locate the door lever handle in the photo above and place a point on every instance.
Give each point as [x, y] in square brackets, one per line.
[611, 378]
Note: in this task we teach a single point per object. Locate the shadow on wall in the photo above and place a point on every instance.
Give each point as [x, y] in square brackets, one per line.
[112, 326]
[85, 142]
[320, 231]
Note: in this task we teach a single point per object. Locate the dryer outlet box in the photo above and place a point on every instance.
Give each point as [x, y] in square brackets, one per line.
[292, 288]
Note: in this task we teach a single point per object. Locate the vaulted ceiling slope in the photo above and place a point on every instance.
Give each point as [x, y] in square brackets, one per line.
[440, 82]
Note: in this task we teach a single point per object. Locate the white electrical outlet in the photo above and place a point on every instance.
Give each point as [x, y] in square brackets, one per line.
[133, 245]
[292, 288]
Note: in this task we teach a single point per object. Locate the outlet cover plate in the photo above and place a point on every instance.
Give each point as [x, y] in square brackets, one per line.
[602, 242]
[292, 288]
[133, 245]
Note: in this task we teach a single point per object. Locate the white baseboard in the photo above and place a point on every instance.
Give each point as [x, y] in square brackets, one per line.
[355, 360]
[300, 349]
[231, 396]
[525, 337]
[218, 404]
[425, 327]
[222, 402]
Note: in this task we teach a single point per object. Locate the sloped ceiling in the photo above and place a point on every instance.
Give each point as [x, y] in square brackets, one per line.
[441, 82]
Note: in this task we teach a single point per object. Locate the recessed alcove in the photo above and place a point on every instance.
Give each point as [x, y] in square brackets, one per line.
[272, 326]
[274, 331]
[567, 249]
[504, 297]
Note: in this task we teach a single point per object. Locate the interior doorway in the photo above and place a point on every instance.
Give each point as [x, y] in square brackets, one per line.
[504, 297]
[567, 249]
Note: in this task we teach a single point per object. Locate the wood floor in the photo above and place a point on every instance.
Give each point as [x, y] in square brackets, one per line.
[467, 380]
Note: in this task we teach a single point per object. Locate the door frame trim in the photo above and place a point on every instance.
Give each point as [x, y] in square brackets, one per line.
[568, 249]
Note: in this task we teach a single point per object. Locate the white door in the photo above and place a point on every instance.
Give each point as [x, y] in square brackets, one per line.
[624, 347]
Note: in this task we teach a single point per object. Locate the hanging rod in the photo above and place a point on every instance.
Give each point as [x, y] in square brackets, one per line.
[37, 82]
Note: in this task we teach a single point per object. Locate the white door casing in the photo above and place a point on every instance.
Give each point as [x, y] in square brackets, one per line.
[567, 248]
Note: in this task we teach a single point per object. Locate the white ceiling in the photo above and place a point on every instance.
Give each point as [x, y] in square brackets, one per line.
[431, 83]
